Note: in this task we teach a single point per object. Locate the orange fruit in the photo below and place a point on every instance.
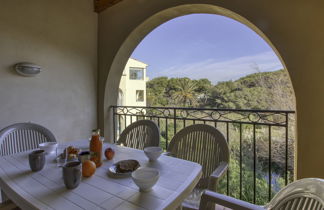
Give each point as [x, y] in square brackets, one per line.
[88, 168]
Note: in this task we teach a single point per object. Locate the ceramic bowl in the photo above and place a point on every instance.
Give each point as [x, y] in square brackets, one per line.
[48, 147]
[153, 153]
[145, 178]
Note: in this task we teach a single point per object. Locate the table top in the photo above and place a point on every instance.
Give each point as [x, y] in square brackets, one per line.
[46, 190]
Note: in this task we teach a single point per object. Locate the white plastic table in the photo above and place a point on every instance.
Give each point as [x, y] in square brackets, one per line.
[45, 189]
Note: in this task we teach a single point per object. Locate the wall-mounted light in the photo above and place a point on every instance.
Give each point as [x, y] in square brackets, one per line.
[27, 69]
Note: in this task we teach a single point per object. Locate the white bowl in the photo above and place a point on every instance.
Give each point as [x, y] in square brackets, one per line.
[48, 147]
[145, 178]
[153, 153]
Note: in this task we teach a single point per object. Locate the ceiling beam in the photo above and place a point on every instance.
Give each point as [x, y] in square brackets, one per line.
[101, 5]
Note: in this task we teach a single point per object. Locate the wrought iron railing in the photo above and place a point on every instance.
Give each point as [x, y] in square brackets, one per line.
[261, 142]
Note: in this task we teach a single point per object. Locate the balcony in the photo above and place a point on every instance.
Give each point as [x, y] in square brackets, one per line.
[261, 143]
[83, 55]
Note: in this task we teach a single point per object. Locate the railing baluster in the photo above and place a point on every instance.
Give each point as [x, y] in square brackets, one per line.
[254, 165]
[119, 124]
[114, 124]
[270, 163]
[227, 173]
[174, 121]
[241, 161]
[286, 152]
[125, 121]
[166, 133]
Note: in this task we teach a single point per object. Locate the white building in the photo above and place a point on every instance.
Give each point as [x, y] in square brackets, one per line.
[132, 86]
[132, 89]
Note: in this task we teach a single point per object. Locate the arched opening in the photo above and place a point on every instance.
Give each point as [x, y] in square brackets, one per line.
[141, 31]
[136, 36]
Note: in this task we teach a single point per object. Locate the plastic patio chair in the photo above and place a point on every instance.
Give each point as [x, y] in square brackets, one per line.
[302, 194]
[140, 134]
[207, 146]
[21, 137]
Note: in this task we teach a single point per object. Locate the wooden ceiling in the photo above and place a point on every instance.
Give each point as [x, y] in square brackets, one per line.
[101, 5]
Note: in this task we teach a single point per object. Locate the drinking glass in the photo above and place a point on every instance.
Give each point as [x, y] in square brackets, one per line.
[61, 155]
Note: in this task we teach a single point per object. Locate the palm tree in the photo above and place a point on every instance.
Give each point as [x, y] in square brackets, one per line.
[185, 95]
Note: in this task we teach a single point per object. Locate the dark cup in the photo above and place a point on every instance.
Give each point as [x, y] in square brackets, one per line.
[37, 160]
[83, 156]
[72, 174]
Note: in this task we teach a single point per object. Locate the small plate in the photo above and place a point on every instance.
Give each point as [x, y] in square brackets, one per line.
[112, 171]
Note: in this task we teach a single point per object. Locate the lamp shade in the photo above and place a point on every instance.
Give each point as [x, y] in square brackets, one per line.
[27, 69]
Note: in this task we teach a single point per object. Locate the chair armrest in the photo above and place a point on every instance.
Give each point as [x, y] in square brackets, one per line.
[226, 201]
[216, 175]
[168, 154]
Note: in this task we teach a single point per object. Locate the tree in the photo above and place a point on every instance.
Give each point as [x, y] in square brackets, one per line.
[263, 90]
[203, 87]
[185, 94]
[155, 91]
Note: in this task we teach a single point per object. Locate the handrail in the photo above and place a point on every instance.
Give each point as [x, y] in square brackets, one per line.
[209, 109]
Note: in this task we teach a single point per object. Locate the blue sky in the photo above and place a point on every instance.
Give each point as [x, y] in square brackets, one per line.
[205, 46]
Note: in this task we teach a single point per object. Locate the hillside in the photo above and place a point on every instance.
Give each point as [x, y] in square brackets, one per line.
[266, 90]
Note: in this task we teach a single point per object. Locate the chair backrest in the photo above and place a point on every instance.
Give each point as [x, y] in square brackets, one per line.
[305, 193]
[202, 144]
[21, 137]
[140, 134]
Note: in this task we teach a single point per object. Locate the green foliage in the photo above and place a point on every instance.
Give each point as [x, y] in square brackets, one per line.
[156, 89]
[185, 93]
[268, 90]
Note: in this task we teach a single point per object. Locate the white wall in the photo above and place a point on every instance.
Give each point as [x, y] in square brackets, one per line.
[130, 86]
[61, 36]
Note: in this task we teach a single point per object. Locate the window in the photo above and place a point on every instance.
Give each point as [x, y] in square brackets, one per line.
[136, 73]
[139, 95]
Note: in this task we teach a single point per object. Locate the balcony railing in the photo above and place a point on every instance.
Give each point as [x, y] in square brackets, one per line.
[261, 143]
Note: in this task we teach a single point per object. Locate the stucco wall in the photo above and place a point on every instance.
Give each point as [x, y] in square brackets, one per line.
[61, 36]
[294, 28]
